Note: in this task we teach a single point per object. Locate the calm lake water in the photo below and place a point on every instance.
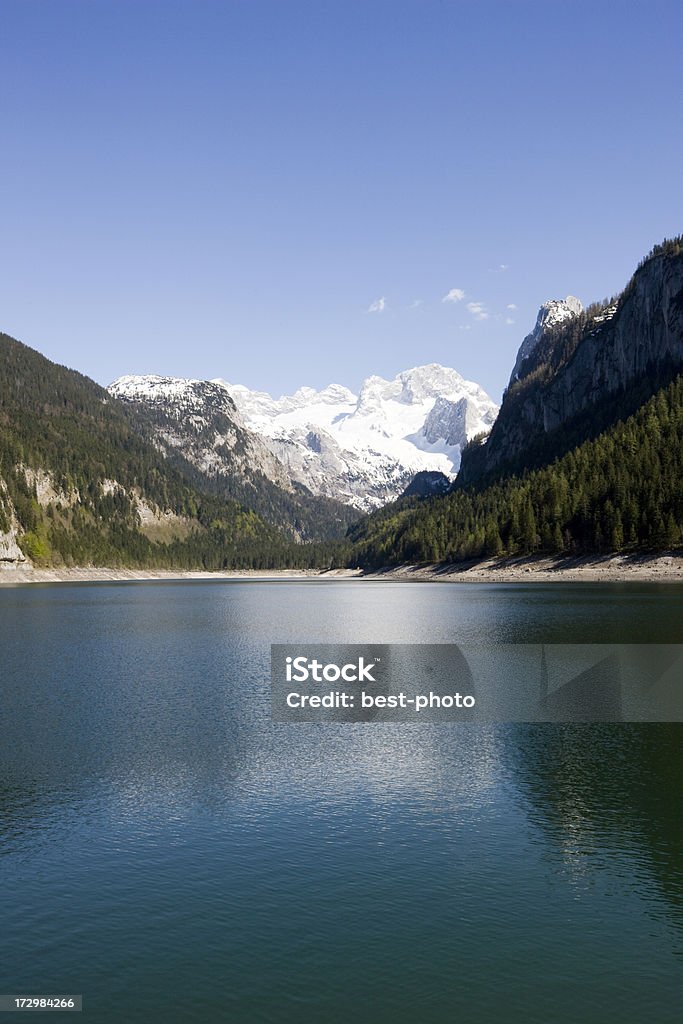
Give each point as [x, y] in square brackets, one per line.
[171, 854]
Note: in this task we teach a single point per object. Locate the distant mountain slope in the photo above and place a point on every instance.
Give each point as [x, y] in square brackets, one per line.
[589, 370]
[364, 449]
[80, 485]
[197, 427]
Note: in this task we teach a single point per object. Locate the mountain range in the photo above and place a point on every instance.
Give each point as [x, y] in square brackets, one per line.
[585, 453]
[362, 450]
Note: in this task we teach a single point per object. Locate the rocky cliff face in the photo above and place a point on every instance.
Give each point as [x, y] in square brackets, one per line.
[576, 368]
[453, 423]
[11, 554]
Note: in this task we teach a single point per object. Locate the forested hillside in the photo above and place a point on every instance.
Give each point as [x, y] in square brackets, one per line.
[79, 485]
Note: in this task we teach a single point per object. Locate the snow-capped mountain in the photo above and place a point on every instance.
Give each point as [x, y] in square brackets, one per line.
[551, 313]
[364, 449]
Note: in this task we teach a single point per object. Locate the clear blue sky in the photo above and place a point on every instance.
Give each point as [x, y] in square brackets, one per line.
[227, 188]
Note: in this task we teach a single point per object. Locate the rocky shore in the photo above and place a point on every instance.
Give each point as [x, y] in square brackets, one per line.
[661, 568]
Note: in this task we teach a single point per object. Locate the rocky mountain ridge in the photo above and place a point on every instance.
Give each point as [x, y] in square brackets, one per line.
[200, 419]
[589, 370]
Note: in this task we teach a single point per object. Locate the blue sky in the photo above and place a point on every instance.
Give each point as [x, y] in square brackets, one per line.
[283, 193]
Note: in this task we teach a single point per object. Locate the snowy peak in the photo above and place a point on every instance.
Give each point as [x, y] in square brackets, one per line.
[551, 313]
[412, 387]
[174, 393]
[430, 381]
[333, 394]
[556, 311]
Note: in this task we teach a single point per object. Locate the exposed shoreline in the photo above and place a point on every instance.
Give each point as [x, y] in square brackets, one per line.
[665, 567]
[662, 568]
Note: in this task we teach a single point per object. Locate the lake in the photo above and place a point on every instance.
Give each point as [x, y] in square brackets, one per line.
[173, 855]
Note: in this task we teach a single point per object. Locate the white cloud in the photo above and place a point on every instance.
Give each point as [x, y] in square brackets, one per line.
[509, 320]
[465, 327]
[478, 310]
[511, 305]
[416, 303]
[378, 306]
[454, 295]
[504, 266]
